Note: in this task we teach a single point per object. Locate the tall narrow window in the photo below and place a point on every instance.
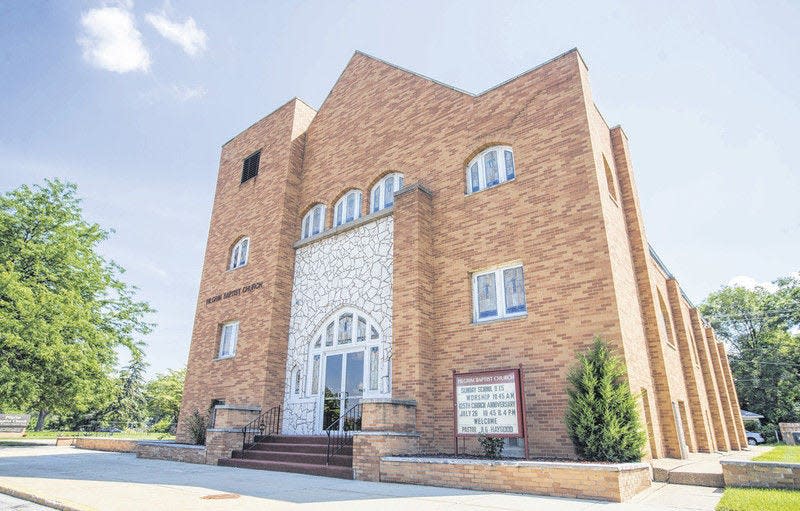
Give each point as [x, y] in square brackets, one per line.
[229, 334]
[250, 166]
[610, 181]
[313, 221]
[373, 368]
[383, 192]
[345, 328]
[297, 381]
[499, 293]
[666, 319]
[329, 334]
[315, 375]
[239, 253]
[348, 208]
[361, 334]
[490, 168]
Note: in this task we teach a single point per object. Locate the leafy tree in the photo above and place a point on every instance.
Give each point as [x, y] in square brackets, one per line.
[128, 409]
[602, 419]
[760, 326]
[163, 396]
[64, 311]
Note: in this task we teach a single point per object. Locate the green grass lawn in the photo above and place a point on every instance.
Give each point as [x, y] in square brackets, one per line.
[134, 435]
[756, 499]
[784, 453]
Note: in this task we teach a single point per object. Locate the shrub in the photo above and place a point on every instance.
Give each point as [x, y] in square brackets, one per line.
[197, 423]
[602, 418]
[492, 447]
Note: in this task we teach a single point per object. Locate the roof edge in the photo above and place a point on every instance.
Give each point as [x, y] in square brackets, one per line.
[294, 99]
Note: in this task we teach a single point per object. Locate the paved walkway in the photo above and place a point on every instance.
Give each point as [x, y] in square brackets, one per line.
[73, 479]
[699, 468]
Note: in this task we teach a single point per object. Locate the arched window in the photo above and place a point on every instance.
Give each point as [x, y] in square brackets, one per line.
[348, 208]
[239, 253]
[383, 192]
[490, 168]
[313, 222]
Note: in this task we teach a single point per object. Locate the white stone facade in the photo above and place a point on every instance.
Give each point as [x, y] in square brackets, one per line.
[350, 270]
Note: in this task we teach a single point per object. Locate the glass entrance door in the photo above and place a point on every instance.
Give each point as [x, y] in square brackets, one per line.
[344, 387]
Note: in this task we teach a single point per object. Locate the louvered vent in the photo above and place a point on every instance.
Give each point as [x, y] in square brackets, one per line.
[250, 167]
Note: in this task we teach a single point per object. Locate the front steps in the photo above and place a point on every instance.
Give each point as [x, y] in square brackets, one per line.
[298, 454]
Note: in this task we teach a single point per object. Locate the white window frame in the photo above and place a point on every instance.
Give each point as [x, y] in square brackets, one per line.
[231, 346]
[308, 226]
[238, 256]
[500, 295]
[378, 203]
[340, 210]
[501, 168]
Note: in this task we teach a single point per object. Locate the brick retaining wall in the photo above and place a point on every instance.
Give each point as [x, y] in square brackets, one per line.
[171, 451]
[102, 444]
[761, 474]
[612, 482]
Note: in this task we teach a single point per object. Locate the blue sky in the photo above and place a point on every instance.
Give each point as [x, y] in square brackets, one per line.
[132, 101]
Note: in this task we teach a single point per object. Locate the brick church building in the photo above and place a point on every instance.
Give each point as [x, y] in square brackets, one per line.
[364, 251]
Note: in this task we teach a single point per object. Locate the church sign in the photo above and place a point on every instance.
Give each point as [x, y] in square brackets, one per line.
[488, 403]
[13, 425]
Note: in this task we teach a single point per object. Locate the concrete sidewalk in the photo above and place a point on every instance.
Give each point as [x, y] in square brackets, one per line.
[700, 469]
[73, 479]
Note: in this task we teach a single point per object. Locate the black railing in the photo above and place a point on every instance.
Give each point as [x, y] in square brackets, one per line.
[339, 431]
[265, 424]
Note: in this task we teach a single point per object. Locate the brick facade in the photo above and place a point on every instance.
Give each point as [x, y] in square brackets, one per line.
[571, 216]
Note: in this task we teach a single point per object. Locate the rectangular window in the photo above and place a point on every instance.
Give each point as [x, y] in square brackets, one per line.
[388, 197]
[490, 164]
[317, 222]
[227, 340]
[329, 334]
[509, 157]
[345, 328]
[373, 368]
[487, 296]
[351, 208]
[515, 290]
[306, 227]
[499, 293]
[315, 375]
[361, 334]
[474, 177]
[250, 166]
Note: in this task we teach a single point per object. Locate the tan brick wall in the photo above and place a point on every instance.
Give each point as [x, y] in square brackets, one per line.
[171, 452]
[761, 474]
[585, 258]
[370, 447]
[220, 443]
[389, 415]
[555, 479]
[105, 444]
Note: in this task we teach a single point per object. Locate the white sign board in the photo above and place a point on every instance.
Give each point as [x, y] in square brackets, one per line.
[488, 403]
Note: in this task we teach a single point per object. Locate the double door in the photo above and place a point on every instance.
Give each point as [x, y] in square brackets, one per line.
[344, 388]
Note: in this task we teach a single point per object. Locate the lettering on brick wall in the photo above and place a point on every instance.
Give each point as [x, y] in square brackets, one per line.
[235, 292]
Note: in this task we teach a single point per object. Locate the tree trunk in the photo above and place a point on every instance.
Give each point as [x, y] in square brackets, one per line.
[40, 420]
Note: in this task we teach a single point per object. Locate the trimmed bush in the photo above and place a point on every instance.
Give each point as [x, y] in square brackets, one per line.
[602, 417]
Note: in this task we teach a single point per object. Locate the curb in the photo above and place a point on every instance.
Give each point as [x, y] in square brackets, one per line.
[30, 497]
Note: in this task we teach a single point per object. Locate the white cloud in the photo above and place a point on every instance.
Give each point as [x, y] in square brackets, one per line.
[184, 93]
[111, 41]
[187, 35]
[751, 283]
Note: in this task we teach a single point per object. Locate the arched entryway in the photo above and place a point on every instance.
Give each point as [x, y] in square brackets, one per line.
[344, 362]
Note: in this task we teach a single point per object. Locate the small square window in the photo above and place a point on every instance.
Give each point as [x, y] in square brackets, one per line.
[250, 166]
[499, 293]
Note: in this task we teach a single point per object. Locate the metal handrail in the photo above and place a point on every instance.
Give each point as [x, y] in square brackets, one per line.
[338, 436]
[266, 423]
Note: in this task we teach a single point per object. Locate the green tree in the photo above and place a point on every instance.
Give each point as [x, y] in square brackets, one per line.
[760, 326]
[64, 311]
[602, 419]
[128, 409]
[163, 396]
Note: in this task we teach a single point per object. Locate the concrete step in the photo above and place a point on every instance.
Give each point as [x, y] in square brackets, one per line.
[304, 448]
[297, 468]
[294, 457]
[293, 439]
